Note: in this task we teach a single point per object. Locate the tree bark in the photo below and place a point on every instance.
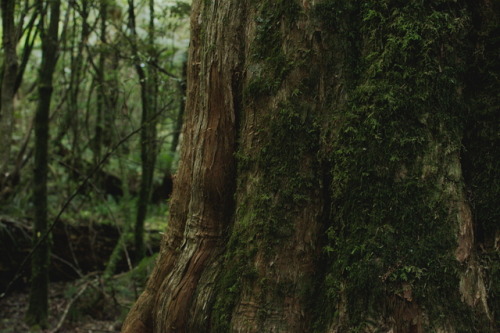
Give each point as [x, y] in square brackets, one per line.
[101, 96]
[180, 115]
[70, 124]
[38, 299]
[10, 67]
[31, 36]
[147, 81]
[321, 180]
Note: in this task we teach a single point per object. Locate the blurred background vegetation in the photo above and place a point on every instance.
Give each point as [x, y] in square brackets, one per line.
[114, 125]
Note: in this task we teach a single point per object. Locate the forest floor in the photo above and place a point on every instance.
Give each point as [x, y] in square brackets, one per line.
[80, 299]
[62, 318]
[87, 304]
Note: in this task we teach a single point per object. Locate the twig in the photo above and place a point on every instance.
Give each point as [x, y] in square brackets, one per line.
[77, 271]
[65, 313]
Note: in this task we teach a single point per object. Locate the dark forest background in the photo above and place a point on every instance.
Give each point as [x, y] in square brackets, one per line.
[92, 93]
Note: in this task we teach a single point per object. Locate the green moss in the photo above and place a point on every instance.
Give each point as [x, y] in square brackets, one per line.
[283, 186]
[333, 13]
[238, 269]
[262, 85]
[401, 124]
[267, 48]
[269, 40]
[389, 154]
[278, 192]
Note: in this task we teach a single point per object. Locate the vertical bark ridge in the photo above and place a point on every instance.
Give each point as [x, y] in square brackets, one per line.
[202, 201]
[279, 194]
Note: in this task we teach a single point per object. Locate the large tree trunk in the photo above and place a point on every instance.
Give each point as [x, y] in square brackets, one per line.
[321, 181]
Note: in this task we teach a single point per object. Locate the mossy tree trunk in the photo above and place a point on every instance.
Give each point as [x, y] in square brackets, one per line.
[38, 300]
[323, 183]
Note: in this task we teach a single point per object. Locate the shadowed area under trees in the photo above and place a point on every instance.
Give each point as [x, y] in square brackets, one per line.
[339, 171]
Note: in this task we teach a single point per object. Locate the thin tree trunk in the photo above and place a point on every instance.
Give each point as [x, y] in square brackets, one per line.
[112, 87]
[38, 299]
[321, 179]
[10, 68]
[101, 98]
[148, 130]
[180, 114]
[30, 39]
[71, 116]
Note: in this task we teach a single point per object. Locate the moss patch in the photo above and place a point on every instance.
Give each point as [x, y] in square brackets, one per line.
[271, 64]
[275, 195]
[389, 132]
[397, 133]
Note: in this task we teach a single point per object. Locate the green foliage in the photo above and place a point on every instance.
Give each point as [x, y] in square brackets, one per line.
[180, 9]
[108, 299]
[74, 122]
[141, 272]
[95, 71]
